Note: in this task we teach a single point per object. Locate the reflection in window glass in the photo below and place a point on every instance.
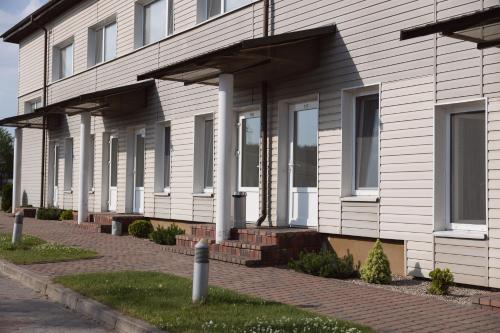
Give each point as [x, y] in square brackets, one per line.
[110, 42]
[233, 4]
[305, 148]
[468, 177]
[250, 141]
[366, 145]
[208, 161]
[213, 8]
[99, 40]
[66, 61]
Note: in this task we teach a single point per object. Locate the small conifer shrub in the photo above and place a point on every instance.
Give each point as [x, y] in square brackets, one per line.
[140, 228]
[441, 281]
[377, 268]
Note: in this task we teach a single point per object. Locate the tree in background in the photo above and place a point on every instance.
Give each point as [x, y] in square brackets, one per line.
[6, 156]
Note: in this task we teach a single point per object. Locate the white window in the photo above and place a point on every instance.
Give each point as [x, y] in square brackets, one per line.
[211, 8]
[91, 163]
[102, 43]
[366, 148]
[154, 21]
[203, 154]
[460, 166]
[32, 105]
[360, 142]
[63, 61]
[163, 158]
[68, 164]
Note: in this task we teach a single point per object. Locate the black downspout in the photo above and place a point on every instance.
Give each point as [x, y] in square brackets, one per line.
[263, 126]
[44, 131]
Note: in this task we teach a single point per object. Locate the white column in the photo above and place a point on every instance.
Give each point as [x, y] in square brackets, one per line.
[16, 186]
[83, 188]
[224, 138]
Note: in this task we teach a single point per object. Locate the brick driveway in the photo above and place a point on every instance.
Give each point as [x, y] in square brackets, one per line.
[383, 310]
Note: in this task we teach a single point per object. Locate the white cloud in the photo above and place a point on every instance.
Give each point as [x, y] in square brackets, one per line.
[32, 6]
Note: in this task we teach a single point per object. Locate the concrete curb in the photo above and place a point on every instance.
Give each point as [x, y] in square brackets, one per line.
[101, 313]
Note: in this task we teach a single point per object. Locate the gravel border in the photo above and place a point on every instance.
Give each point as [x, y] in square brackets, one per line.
[414, 286]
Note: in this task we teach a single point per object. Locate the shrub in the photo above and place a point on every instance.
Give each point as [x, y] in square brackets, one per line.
[66, 215]
[140, 228]
[50, 213]
[7, 197]
[377, 268]
[441, 282]
[166, 236]
[325, 264]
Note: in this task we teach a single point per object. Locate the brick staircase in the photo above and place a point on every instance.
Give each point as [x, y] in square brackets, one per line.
[253, 246]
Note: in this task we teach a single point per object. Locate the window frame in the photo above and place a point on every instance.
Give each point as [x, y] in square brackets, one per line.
[372, 191]
[93, 41]
[139, 21]
[32, 105]
[447, 172]
[57, 62]
[202, 10]
[199, 154]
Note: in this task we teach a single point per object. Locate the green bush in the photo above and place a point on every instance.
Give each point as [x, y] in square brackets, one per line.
[377, 268]
[441, 282]
[50, 213]
[140, 228]
[325, 264]
[7, 197]
[66, 215]
[166, 236]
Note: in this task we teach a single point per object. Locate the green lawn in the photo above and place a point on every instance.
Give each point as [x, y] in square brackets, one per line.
[165, 302]
[33, 250]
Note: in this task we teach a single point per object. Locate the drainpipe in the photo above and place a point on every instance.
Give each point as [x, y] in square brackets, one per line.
[44, 131]
[263, 126]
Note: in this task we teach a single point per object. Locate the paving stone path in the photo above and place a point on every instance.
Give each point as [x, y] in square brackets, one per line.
[23, 310]
[383, 310]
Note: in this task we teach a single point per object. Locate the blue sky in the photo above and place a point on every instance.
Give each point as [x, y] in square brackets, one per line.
[11, 11]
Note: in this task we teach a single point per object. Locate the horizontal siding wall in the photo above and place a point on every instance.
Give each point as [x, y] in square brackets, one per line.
[360, 219]
[494, 191]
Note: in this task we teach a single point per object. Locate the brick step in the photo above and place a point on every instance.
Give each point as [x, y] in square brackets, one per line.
[260, 254]
[218, 256]
[203, 231]
[283, 238]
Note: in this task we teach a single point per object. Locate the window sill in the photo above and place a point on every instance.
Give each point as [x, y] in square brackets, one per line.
[462, 234]
[203, 195]
[360, 198]
[161, 194]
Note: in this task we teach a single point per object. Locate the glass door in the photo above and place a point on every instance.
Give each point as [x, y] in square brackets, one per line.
[113, 173]
[139, 171]
[248, 162]
[55, 170]
[303, 165]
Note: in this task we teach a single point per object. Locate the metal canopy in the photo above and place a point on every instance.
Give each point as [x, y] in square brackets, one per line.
[252, 60]
[481, 27]
[97, 103]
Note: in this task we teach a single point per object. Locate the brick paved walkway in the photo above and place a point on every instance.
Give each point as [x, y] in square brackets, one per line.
[383, 310]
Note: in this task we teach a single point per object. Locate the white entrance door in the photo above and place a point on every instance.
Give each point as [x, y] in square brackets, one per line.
[303, 165]
[55, 170]
[248, 162]
[113, 173]
[139, 171]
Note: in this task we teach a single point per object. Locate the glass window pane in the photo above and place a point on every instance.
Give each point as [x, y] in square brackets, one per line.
[233, 4]
[468, 197]
[213, 8]
[305, 148]
[110, 42]
[154, 21]
[67, 61]
[114, 162]
[139, 161]
[98, 45]
[166, 159]
[68, 164]
[91, 162]
[208, 161]
[250, 143]
[366, 145]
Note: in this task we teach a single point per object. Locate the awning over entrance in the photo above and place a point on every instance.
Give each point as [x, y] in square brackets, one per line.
[251, 61]
[96, 103]
[481, 27]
